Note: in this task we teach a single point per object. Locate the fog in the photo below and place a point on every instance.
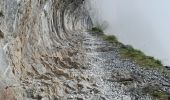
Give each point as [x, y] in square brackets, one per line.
[144, 24]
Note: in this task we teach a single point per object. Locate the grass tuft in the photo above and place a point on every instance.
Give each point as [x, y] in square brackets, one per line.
[110, 38]
[156, 93]
[140, 57]
[129, 52]
[96, 30]
[99, 32]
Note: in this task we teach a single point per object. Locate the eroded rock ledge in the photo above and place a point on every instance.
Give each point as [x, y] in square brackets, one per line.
[40, 47]
[45, 54]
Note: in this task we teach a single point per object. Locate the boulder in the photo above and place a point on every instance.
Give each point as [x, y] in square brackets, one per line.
[121, 75]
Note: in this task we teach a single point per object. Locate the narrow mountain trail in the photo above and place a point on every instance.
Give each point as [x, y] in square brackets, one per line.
[46, 55]
[116, 78]
[100, 68]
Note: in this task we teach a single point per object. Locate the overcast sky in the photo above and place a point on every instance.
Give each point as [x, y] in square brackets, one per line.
[145, 24]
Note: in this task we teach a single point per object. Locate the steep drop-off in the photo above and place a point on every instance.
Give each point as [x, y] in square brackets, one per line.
[46, 53]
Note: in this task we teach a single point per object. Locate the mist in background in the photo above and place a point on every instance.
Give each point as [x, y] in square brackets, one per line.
[144, 24]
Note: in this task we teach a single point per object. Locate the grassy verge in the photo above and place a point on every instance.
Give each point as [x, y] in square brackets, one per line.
[129, 52]
[156, 93]
[110, 38]
[99, 32]
[140, 57]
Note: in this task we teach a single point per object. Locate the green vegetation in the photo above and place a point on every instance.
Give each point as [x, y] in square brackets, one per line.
[99, 27]
[110, 38]
[140, 57]
[156, 93]
[1, 14]
[97, 30]
[129, 52]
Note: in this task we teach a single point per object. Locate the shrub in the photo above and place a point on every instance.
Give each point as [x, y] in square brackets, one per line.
[99, 27]
[97, 30]
[110, 38]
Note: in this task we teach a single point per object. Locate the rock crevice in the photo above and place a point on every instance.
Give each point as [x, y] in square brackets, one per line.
[40, 47]
[46, 53]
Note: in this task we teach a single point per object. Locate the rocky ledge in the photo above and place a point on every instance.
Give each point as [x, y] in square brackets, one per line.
[46, 54]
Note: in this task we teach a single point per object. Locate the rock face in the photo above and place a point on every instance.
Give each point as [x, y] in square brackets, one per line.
[45, 54]
[40, 47]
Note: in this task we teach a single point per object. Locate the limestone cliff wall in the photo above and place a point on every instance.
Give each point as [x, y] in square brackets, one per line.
[39, 46]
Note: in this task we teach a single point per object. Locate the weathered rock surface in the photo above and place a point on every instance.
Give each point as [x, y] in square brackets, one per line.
[45, 54]
[40, 48]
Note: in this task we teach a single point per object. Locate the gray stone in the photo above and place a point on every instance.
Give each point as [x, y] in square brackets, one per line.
[39, 68]
[3, 63]
[71, 84]
[46, 42]
[122, 75]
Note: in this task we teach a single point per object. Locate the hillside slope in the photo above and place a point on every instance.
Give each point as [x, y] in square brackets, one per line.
[46, 54]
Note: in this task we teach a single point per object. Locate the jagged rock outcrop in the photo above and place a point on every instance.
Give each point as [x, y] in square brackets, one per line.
[39, 47]
[47, 54]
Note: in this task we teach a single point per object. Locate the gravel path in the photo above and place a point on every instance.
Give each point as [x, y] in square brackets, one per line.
[100, 66]
[116, 78]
